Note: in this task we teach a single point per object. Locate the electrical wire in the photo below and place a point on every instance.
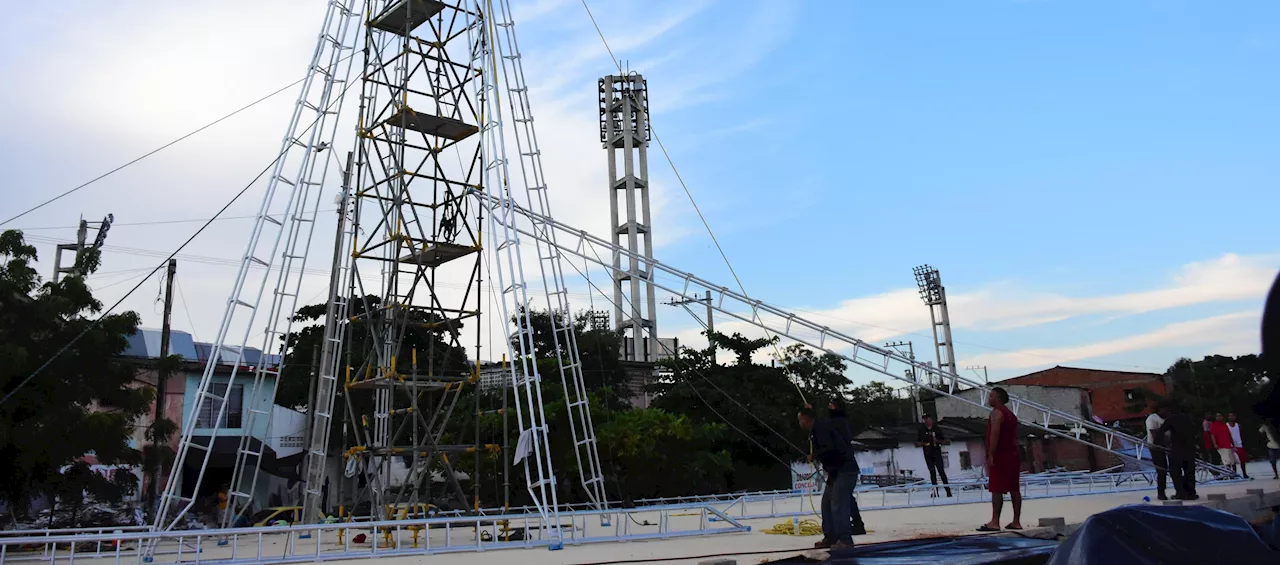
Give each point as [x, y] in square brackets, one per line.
[755, 312]
[154, 151]
[699, 394]
[165, 262]
[151, 223]
[183, 300]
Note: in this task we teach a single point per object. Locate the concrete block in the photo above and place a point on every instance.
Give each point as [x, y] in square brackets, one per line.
[1218, 497]
[1255, 491]
[1056, 523]
[1173, 503]
[719, 562]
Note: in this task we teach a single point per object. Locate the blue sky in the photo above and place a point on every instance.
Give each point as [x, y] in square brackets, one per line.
[1096, 180]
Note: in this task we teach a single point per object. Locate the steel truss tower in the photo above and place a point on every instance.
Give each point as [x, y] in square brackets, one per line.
[624, 128]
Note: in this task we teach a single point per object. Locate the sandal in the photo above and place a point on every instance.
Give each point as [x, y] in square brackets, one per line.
[986, 528]
[1010, 527]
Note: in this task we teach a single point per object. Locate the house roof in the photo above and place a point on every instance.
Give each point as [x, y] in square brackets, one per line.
[145, 344]
[1079, 377]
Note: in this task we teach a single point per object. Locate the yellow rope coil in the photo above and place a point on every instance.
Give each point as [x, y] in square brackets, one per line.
[794, 528]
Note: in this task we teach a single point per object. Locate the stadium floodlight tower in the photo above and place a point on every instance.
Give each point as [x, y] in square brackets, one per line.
[624, 128]
[935, 297]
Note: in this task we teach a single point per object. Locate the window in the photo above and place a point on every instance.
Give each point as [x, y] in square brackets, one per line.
[965, 463]
[209, 409]
[1130, 394]
[946, 460]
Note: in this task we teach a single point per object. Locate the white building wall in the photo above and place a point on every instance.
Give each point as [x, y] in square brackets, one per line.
[1066, 399]
[910, 458]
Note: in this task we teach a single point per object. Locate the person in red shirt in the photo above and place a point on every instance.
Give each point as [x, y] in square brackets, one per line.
[1210, 454]
[1220, 436]
[1003, 461]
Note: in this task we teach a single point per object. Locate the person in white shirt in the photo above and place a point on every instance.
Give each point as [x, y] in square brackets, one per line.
[1237, 444]
[1158, 444]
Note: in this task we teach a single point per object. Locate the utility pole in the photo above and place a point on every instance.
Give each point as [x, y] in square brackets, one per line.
[78, 247]
[711, 323]
[934, 295]
[983, 374]
[911, 374]
[162, 377]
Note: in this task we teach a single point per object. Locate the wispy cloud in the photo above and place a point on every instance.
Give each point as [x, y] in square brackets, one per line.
[1001, 307]
[1222, 333]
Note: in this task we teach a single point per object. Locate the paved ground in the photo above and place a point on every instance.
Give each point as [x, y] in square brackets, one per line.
[884, 525]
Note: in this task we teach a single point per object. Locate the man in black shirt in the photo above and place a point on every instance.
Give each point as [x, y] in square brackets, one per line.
[840, 418]
[831, 449]
[930, 439]
[1184, 437]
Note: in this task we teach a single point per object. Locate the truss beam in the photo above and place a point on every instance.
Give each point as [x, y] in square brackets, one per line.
[787, 324]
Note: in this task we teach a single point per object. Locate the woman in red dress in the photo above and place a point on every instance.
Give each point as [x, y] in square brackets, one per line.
[1002, 461]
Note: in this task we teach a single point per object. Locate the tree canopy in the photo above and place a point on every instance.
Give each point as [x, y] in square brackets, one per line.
[84, 402]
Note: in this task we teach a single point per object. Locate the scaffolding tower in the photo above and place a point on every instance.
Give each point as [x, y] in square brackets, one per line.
[413, 228]
[624, 132]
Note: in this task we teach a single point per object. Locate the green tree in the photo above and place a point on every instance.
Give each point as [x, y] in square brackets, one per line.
[1215, 384]
[758, 403]
[823, 374]
[81, 403]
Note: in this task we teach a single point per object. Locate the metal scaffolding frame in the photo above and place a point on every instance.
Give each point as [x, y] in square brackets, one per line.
[564, 336]
[417, 154]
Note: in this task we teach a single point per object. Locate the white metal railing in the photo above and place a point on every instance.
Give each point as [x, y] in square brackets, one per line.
[390, 538]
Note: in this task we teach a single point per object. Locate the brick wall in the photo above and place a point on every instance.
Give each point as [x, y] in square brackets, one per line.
[1107, 389]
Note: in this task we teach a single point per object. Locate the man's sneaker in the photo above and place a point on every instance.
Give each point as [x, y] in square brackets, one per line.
[859, 531]
[841, 545]
[948, 493]
[823, 544]
[1161, 496]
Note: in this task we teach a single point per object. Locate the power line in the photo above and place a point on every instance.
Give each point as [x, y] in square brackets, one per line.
[165, 262]
[152, 223]
[153, 152]
[698, 373]
[755, 313]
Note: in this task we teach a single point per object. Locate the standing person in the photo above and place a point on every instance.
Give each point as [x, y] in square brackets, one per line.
[1237, 443]
[1182, 451]
[832, 449]
[1210, 453]
[1003, 465]
[840, 418]
[930, 439]
[1272, 434]
[1220, 437]
[1159, 444]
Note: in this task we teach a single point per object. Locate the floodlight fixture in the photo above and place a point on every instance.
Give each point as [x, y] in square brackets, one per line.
[930, 283]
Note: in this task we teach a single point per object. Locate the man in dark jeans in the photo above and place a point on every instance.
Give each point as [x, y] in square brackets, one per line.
[1184, 439]
[931, 440]
[839, 418]
[831, 448]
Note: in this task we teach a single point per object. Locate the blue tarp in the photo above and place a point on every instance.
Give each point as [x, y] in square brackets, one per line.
[1142, 535]
[965, 550]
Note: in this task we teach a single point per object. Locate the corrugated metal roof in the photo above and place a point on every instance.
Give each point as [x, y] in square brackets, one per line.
[145, 344]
